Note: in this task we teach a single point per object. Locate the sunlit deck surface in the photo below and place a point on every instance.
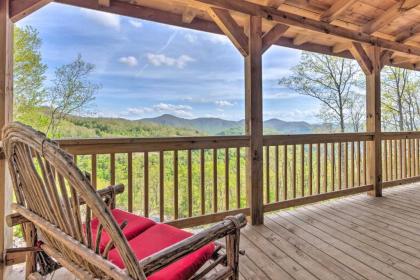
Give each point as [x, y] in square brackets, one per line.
[357, 237]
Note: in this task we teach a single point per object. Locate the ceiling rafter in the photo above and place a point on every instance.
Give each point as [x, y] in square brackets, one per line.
[22, 8]
[295, 20]
[273, 35]
[361, 57]
[104, 3]
[336, 10]
[406, 35]
[301, 39]
[189, 15]
[230, 28]
[274, 3]
[396, 10]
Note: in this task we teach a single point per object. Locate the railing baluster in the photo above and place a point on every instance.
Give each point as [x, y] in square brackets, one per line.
[302, 170]
[162, 186]
[146, 184]
[112, 168]
[310, 170]
[238, 177]
[276, 150]
[94, 171]
[332, 166]
[318, 168]
[365, 162]
[294, 171]
[358, 163]
[352, 163]
[389, 160]
[130, 181]
[395, 159]
[267, 174]
[346, 163]
[215, 180]
[189, 167]
[227, 178]
[416, 157]
[176, 190]
[325, 168]
[285, 189]
[203, 181]
[340, 171]
[384, 161]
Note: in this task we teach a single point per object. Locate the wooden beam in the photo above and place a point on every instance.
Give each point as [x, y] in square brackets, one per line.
[373, 122]
[254, 121]
[6, 115]
[301, 39]
[272, 36]
[385, 58]
[232, 30]
[341, 47]
[291, 19]
[336, 10]
[408, 33]
[188, 15]
[361, 57]
[22, 8]
[401, 60]
[397, 10]
[274, 3]
[104, 3]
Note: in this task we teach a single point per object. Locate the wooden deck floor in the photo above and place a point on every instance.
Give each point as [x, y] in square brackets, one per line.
[357, 237]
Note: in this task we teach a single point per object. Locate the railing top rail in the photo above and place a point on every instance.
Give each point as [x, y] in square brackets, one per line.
[400, 135]
[124, 145]
[316, 138]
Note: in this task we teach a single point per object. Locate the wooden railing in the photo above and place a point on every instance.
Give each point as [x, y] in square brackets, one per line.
[189, 181]
[300, 169]
[183, 181]
[400, 157]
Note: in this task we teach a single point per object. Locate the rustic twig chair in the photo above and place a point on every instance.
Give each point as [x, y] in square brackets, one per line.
[52, 196]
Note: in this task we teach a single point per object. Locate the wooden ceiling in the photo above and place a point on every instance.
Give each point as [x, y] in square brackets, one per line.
[323, 26]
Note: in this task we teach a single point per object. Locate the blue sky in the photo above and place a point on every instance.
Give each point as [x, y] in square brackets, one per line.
[148, 69]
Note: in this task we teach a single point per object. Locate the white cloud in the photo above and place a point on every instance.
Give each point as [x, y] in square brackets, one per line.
[135, 23]
[217, 39]
[105, 19]
[224, 103]
[129, 60]
[171, 107]
[163, 60]
[192, 38]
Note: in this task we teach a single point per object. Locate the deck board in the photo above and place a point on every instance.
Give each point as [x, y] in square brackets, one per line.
[357, 237]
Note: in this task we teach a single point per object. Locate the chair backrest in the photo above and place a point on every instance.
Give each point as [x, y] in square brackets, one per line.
[48, 184]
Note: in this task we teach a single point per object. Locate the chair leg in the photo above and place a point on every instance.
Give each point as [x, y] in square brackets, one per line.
[31, 239]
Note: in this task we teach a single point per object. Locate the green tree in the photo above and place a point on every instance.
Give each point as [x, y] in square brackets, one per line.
[71, 91]
[29, 77]
[331, 80]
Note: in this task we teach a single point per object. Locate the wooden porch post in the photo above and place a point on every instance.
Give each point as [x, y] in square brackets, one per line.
[6, 107]
[254, 120]
[373, 121]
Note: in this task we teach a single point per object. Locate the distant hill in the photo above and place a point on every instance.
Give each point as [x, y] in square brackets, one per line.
[216, 126]
[210, 126]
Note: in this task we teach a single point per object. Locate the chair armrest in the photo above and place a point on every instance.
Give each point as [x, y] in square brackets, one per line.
[173, 253]
[17, 219]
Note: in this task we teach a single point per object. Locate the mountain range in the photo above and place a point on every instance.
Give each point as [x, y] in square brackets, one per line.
[217, 126]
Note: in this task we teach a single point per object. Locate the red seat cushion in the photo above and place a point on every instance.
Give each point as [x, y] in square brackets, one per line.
[135, 226]
[160, 237]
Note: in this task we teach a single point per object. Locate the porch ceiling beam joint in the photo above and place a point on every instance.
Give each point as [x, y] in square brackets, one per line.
[272, 36]
[361, 57]
[230, 28]
[22, 8]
